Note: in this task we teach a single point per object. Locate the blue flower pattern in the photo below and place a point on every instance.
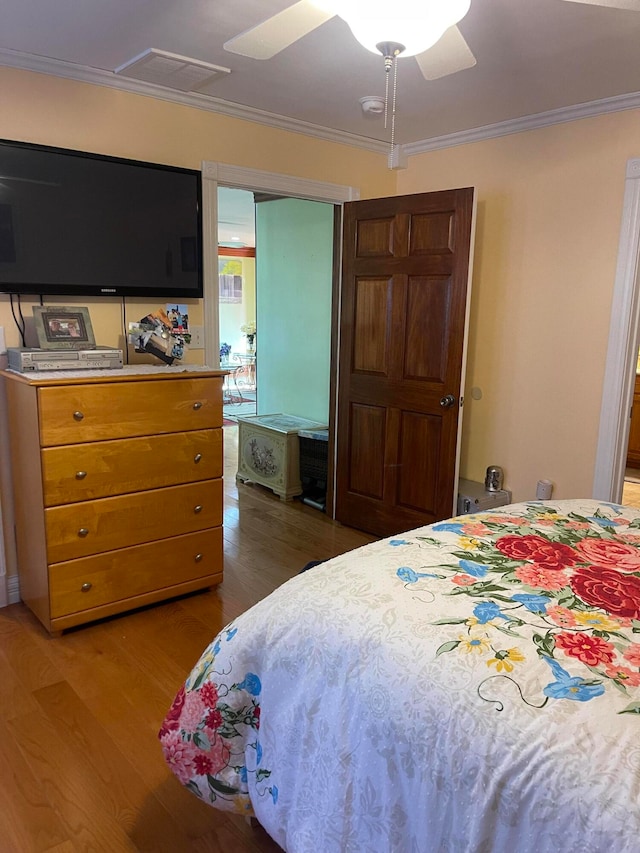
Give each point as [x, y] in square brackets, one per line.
[568, 687]
[527, 615]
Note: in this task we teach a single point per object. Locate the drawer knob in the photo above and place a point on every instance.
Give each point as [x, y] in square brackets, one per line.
[197, 405]
[80, 475]
[78, 416]
[85, 587]
[198, 558]
[197, 508]
[197, 457]
[83, 531]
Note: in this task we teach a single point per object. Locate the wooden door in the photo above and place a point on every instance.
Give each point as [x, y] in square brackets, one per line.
[402, 332]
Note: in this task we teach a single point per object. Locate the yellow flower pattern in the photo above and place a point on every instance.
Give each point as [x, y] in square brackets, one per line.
[474, 644]
[504, 659]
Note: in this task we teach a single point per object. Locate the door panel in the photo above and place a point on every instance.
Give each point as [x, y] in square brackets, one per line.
[427, 328]
[402, 332]
[372, 325]
[419, 452]
[375, 238]
[432, 233]
[367, 450]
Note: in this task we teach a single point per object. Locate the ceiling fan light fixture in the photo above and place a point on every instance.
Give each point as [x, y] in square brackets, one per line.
[415, 24]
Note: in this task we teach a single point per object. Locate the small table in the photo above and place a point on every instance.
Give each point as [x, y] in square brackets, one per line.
[269, 452]
[241, 374]
[245, 372]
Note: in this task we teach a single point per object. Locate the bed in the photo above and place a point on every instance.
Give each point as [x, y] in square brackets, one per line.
[472, 685]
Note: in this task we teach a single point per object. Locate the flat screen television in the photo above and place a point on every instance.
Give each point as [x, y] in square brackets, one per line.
[79, 224]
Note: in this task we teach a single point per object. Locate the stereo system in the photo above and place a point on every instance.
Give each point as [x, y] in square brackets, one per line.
[25, 360]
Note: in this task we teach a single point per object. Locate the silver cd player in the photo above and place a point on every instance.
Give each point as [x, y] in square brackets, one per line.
[31, 360]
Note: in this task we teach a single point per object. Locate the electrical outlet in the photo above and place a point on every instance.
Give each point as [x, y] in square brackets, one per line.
[197, 337]
[3, 345]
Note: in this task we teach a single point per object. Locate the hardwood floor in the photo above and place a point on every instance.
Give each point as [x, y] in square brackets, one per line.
[631, 490]
[81, 765]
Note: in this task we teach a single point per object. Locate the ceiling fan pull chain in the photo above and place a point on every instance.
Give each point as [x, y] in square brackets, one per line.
[386, 95]
[390, 51]
[393, 106]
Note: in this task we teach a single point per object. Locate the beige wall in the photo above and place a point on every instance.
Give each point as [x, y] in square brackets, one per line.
[549, 208]
[549, 214]
[68, 114]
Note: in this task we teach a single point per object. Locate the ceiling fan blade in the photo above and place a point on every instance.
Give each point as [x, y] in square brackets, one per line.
[447, 56]
[631, 5]
[273, 35]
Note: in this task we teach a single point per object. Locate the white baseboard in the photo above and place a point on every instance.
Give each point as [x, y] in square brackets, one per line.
[13, 589]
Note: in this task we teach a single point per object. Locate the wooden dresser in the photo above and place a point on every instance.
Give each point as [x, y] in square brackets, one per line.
[117, 480]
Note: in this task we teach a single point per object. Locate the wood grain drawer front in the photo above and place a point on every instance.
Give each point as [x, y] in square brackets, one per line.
[70, 414]
[77, 530]
[105, 578]
[106, 468]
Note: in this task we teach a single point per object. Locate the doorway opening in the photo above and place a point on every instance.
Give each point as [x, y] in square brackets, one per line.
[276, 277]
[631, 486]
[237, 301]
[216, 174]
[622, 353]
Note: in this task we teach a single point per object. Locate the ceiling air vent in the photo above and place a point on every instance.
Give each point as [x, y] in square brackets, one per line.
[171, 70]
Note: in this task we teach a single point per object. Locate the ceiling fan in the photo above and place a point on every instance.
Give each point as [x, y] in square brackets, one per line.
[440, 48]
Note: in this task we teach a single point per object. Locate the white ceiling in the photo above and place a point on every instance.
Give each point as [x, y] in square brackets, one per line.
[236, 217]
[533, 56]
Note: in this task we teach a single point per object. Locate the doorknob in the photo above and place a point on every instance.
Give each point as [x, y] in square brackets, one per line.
[448, 401]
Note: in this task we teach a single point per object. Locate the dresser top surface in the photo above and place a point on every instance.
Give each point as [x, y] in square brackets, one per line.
[128, 373]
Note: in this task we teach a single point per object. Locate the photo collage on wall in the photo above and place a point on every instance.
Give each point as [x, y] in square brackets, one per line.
[163, 333]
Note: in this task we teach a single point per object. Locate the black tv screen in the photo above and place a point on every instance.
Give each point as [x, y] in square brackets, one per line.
[78, 224]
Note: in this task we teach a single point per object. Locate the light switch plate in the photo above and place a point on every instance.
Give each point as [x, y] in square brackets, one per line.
[197, 337]
[3, 345]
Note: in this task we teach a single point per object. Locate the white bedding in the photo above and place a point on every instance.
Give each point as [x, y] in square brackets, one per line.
[473, 685]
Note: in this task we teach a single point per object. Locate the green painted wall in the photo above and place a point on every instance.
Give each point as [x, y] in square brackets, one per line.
[294, 258]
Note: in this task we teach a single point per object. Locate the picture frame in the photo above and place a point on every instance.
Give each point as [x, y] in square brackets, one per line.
[63, 328]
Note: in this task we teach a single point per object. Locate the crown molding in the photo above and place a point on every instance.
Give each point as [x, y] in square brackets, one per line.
[532, 122]
[99, 77]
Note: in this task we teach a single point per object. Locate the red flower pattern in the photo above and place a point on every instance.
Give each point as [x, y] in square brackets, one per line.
[538, 576]
[632, 654]
[537, 549]
[612, 591]
[171, 721]
[203, 764]
[610, 554]
[623, 675]
[463, 580]
[214, 719]
[209, 694]
[588, 649]
[203, 734]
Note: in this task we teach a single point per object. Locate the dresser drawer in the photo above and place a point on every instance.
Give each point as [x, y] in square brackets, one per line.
[79, 413]
[77, 530]
[87, 471]
[90, 582]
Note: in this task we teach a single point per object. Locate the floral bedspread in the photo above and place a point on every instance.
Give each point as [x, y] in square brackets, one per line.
[473, 685]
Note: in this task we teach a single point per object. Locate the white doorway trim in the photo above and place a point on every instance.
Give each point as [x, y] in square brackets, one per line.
[622, 352]
[239, 177]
